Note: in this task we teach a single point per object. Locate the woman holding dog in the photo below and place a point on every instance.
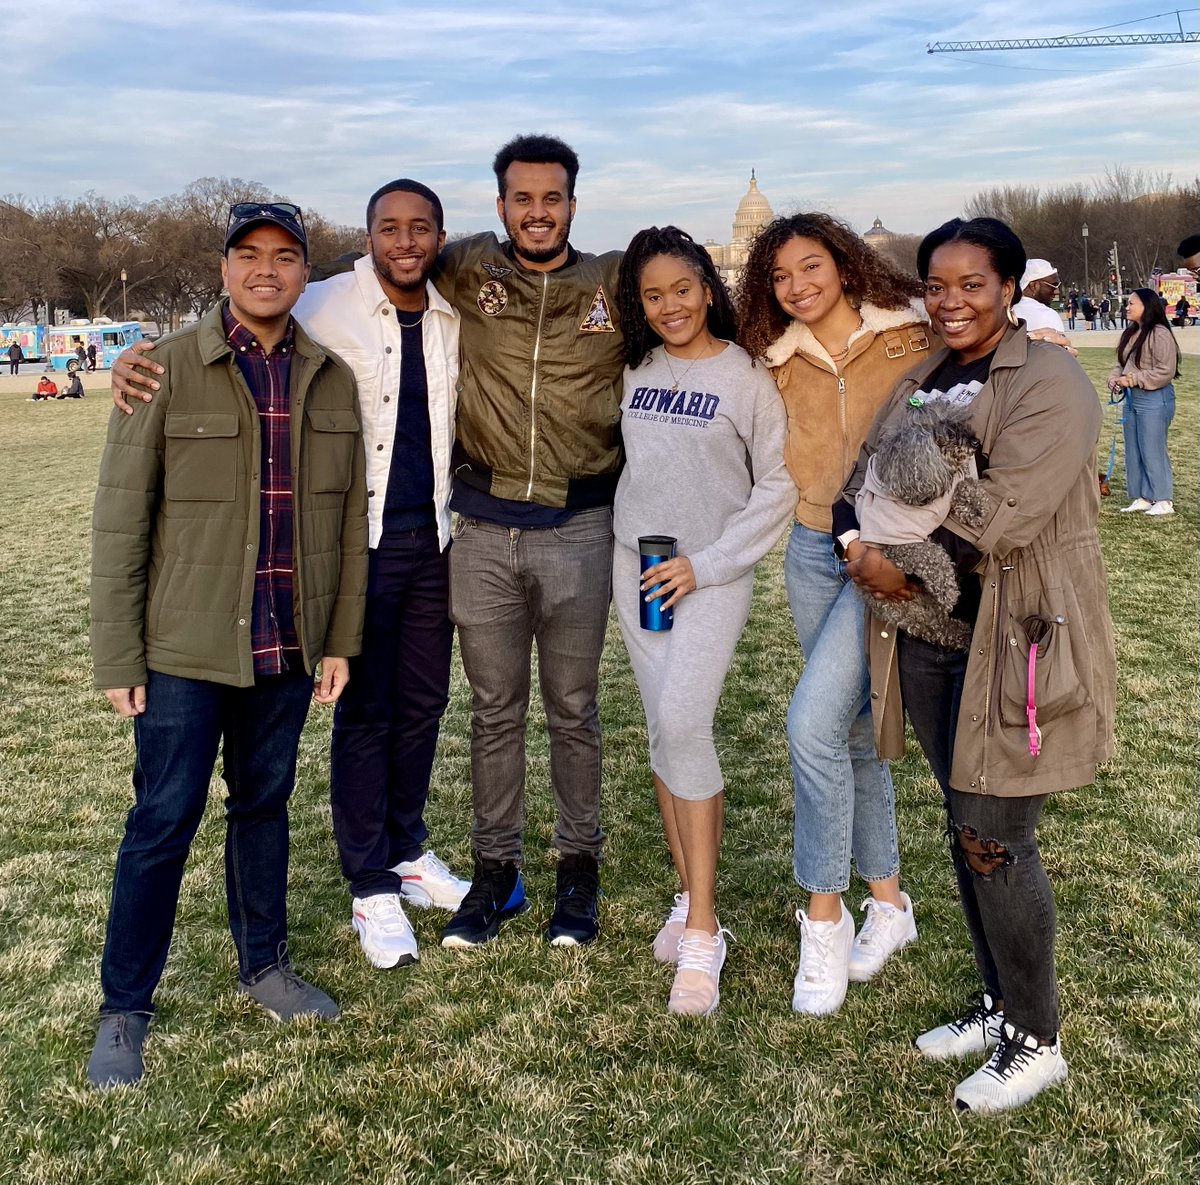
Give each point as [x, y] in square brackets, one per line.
[837, 325]
[1026, 708]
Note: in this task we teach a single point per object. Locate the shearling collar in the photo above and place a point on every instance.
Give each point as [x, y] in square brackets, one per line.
[798, 338]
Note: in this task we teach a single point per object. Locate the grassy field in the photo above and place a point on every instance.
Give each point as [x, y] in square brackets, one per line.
[523, 1063]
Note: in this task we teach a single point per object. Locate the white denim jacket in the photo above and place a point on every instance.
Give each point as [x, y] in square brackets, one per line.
[350, 315]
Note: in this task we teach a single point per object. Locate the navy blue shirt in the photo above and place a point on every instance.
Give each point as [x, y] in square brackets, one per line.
[409, 502]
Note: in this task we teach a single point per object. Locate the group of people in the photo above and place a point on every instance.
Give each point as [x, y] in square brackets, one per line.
[262, 535]
[47, 388]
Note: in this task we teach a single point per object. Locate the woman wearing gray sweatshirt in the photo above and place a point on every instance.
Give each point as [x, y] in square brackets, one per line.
[704, 431]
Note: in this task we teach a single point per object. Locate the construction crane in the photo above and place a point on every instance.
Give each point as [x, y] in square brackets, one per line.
[1077, 41]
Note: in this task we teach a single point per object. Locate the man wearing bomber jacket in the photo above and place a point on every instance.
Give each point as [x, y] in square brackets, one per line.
[535, 467]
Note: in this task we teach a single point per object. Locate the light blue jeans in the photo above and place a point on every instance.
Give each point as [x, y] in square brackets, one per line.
[843, 792]
[1148, 415]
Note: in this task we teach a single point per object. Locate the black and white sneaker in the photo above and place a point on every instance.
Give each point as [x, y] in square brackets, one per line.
[977, 1032]
[496, 894]
[1020, 1068]
[575, 901]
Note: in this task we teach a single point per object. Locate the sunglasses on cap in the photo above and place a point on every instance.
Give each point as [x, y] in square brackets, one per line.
[240, 211]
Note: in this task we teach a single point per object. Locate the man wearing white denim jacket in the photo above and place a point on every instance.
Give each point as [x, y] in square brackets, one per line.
[400, 337]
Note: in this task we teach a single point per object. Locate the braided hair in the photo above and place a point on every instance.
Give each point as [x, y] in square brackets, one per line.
[640, 339]
[866, 275]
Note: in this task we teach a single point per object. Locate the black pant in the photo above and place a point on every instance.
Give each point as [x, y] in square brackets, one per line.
[14, 367]
[385, 726]
[1009, 908]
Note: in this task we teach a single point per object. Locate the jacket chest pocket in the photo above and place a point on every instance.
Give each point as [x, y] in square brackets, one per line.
[201, 456]
[329, 460]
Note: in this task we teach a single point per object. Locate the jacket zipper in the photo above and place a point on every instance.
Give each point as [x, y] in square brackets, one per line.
[993, 668]
[537, 349]
[842, 422]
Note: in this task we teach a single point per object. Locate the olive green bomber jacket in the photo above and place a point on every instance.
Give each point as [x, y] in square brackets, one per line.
[176, 521]
[539, 389]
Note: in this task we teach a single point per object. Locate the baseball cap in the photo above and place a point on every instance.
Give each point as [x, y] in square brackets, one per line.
[1036, 269]
[244, 215]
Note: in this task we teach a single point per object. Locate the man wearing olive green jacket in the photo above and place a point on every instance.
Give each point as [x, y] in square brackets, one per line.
[228, 564]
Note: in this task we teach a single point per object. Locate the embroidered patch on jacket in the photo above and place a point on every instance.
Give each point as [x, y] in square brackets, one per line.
[492, 298]
[598, 320]
[496, 271]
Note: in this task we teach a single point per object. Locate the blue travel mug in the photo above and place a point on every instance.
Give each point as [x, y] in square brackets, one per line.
[654, 549]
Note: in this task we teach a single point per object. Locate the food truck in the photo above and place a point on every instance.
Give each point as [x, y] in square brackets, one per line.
[60, 342]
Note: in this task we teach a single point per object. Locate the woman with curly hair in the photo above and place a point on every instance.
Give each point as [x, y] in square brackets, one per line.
[703, 429]
[1147, 363]
[838, 326]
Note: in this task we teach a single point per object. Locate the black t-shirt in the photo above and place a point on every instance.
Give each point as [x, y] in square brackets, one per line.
[409, 502]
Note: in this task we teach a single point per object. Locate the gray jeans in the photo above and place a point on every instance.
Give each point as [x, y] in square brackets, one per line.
[509, 588]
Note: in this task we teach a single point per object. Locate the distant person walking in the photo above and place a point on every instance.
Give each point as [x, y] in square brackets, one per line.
[1106, 321]
[15, 357]
[91, 356]
[1147, 364]
[1072, 310]
[1182, 308]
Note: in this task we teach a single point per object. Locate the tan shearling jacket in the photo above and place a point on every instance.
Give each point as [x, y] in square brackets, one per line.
[829, 410]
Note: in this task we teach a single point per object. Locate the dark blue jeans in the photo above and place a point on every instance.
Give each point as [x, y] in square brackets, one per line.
[177, 739]
[1006, 897]
[385, 726]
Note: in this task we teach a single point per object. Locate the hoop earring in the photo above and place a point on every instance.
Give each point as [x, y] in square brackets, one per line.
[1012, 317]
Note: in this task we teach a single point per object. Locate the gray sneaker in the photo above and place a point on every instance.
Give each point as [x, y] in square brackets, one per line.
[281, 993]
[117, 1055]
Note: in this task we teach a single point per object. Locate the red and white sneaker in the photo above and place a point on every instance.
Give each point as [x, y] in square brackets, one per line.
[429, 884]
[384, 932]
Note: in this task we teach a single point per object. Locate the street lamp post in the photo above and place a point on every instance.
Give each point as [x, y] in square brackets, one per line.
[125, 276]
[1087, 287]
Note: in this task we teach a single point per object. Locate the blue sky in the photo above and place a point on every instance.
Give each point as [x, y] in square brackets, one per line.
[669, 106]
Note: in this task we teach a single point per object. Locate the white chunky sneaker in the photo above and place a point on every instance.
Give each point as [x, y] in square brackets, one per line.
[697, 987]
[1019, 1069]
[824, 970]
[976, 1032]
[666, 941]
[383, 931]
[884, 931]
[429, 884]
[1137, 504]
[1160, 508]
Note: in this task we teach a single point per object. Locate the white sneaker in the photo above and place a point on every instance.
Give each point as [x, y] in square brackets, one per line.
[977, 1032]
[666, 941]
[1018, 1070]
[1137, 504]
[1160, 508]
[884, 930]
[824, 970]
[383, 931]
[429, 884]
[697, 987]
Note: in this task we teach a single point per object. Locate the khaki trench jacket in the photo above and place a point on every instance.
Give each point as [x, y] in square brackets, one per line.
[1038, 420]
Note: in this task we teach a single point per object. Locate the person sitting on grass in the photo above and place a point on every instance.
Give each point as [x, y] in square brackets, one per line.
[74, 389]
[704, 430]
[210, 615]
[46, 389]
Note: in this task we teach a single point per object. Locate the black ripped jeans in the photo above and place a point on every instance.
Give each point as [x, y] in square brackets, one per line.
[1009, 909]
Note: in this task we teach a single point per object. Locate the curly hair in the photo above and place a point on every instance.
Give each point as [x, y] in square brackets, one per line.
[536, 149]
[866, 275]
[640, 339]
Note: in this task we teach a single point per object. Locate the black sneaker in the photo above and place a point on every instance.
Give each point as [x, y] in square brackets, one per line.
[117, 1055]
[496, 894]
[575, 901]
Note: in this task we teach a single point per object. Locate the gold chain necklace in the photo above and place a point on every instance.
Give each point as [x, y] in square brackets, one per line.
[842, 353]
[679, 378]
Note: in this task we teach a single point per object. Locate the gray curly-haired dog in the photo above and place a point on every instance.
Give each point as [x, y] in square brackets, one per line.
[917, 459]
